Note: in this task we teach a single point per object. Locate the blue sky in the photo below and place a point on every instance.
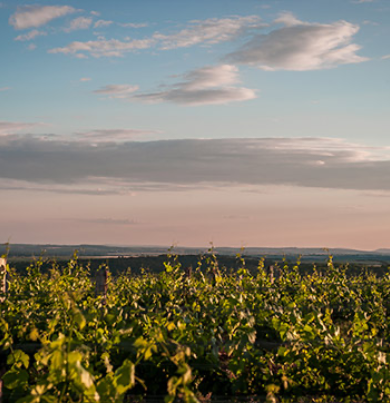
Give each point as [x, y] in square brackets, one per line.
[162, 109]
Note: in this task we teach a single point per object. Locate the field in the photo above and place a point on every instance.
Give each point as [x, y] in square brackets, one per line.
[205, 334]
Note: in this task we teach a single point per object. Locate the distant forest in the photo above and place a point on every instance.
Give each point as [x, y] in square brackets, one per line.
[155, 264]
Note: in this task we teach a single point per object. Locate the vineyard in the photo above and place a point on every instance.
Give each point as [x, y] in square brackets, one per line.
[195, 334]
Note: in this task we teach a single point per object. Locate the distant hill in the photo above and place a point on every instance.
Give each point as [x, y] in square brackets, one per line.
[86, 250]
[294, 251]
[384, 251]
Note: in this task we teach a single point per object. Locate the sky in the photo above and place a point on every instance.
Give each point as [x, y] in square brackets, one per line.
[180, 122]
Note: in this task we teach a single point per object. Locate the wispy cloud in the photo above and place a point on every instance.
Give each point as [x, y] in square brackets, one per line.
[113, 135]
[307, 162]
[8, 128]
[300, 45]
[91, 188]
[102, 23]
[30, 35]
[4, 89]
[386, 57]
[207, 85]
[103, 47]
[296, 45]
[369, 22]
[204, 86]
[117, 90]
[133, 24]
[83, 79]
[36, 16]
[209, 31]
[79, 23]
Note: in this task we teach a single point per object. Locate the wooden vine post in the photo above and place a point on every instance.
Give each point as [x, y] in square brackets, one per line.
[271, 273]
[101, 284]
[3, 279]
[188, 272]
[3, 291]
[274, 273]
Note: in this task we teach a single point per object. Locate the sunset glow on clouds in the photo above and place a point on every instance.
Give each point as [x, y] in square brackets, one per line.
[258, 123]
